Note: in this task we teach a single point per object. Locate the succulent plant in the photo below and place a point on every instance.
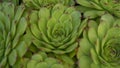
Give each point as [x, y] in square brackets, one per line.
[56, 30]
[41, 60]
[37, 4]
[14, 41]
[111, 6]
[100, 45]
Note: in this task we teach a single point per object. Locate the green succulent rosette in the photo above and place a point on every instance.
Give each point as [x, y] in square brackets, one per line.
[36, 4]
[14, 41]
[56, 31]
[100, 45]
[111, 6]
[41, 60]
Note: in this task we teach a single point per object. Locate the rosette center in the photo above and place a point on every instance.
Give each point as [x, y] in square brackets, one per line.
[112, 51]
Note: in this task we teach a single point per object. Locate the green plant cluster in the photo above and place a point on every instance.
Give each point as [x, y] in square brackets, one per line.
[59, 34]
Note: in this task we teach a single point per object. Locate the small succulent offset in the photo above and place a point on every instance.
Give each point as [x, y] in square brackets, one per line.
[37, 4]
[100, 45]
[41, 60]
[111, 6]
[13, 40]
